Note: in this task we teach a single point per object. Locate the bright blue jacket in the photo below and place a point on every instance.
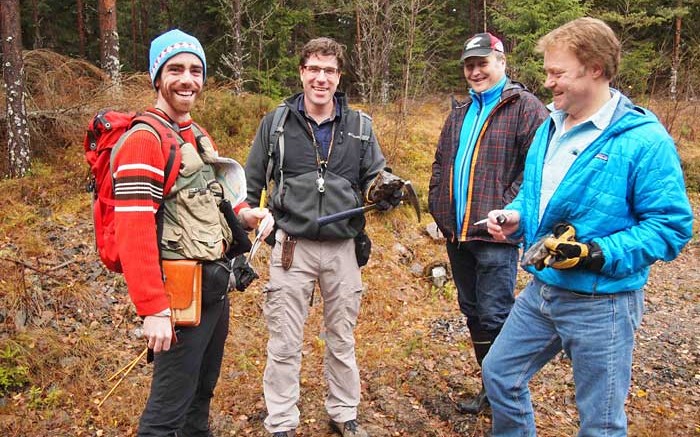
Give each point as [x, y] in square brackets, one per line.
[625, 191]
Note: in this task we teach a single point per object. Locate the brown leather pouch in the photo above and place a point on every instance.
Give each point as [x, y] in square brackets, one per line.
[288, 246]
[183, 284]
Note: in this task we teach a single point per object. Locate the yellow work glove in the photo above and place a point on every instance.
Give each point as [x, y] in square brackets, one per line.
[566, 253]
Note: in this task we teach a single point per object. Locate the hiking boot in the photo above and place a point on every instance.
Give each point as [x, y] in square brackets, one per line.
[349, 429]
[474, 406]
[290, 433]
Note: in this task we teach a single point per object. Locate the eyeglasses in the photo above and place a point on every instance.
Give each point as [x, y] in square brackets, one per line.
[315, 70]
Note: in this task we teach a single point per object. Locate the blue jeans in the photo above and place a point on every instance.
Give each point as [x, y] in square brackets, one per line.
[484, 274]
[595, 331]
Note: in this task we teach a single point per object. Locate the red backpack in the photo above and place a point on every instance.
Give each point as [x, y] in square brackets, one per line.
[103, 133]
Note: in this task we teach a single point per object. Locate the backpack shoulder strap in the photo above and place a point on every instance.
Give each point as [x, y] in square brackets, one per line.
[158, 127]
[199, 133]
[276, 137]
[162, 126]
[133, 127]
[365, 131]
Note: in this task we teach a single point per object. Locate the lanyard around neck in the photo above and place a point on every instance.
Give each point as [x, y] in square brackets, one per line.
[320, 160]
[321, 163]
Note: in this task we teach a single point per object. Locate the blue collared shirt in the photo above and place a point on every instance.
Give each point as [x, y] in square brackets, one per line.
[566, 145]
[322, 131]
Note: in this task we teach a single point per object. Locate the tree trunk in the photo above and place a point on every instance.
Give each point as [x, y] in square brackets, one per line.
[13, 69]
[388, 30]
[237, 46]
[360, 59]
[36, 20]
[675, 63]
[408, 57]
[476, 16]
[109, 42]
[233, 11]
[82, 39]
[144, 24]
[134, 35]
[376, 42]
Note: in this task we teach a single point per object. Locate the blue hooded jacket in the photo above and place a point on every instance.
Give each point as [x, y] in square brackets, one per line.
[625, 191]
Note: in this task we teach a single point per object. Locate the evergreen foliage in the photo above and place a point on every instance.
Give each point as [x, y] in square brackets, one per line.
[522, 23]
[424, 38]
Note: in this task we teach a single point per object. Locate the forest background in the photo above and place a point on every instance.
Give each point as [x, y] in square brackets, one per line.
[66, 324]
[398, 50]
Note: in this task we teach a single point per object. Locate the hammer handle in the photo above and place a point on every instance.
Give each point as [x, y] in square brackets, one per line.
[332, 218]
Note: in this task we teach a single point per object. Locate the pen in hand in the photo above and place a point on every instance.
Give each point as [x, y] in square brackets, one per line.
[500, 220]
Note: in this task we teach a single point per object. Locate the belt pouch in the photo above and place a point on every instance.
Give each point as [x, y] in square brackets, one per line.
[288, 252]
[215, 280]
[183, 285]
[363, 248]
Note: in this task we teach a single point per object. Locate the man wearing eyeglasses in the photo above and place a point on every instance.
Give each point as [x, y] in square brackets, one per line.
[323, 163]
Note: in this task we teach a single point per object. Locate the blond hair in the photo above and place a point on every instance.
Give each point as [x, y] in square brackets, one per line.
[591, 40]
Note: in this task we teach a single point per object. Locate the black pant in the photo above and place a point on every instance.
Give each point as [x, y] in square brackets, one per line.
[185, 376]
[484, 274]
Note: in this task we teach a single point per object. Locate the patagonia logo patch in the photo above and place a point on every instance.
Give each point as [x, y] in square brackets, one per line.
[602, 156]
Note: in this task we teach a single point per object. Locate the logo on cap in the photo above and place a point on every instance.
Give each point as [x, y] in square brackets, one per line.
[481, 44]
[474, 42]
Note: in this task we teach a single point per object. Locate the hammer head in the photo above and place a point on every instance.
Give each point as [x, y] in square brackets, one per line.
[386, 184]
[536, 255]
[409, 194]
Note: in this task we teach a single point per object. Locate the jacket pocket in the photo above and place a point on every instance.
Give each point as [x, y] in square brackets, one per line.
[201, 230]
[191, 162]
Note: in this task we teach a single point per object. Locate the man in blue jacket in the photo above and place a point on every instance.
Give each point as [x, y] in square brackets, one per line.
[608, 171]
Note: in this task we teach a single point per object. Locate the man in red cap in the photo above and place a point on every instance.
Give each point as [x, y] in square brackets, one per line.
[478, 167]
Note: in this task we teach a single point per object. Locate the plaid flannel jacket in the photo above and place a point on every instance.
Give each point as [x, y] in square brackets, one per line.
[497, 165]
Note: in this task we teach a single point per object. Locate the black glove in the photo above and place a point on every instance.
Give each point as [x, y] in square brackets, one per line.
[393, 201]
[566, 252]
[385, 190]
[243, 273]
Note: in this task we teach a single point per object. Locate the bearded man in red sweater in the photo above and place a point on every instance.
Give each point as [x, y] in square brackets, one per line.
[178, 218]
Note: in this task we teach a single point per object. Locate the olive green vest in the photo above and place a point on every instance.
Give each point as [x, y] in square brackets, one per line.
[193, 226]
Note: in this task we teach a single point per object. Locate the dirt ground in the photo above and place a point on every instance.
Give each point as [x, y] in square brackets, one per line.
[412, 346]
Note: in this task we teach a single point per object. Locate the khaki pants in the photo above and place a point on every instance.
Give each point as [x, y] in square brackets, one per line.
[287, 298]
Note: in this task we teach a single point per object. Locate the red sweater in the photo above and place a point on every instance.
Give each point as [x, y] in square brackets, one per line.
[138, 183]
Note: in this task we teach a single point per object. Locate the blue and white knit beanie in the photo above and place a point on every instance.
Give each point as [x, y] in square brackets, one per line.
[170, 44]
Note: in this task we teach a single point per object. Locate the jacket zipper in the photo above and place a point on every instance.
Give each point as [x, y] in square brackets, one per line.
[475, 155]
